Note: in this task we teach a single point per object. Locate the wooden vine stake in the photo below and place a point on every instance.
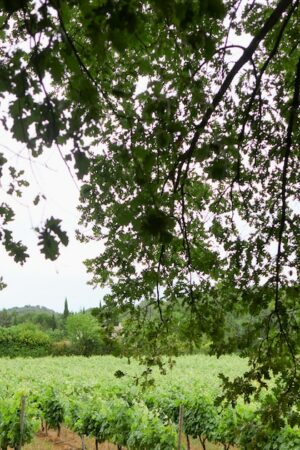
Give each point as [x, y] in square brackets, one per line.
[180, 426]
[22, 421]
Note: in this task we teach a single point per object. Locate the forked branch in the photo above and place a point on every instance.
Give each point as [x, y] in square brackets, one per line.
[273, 19]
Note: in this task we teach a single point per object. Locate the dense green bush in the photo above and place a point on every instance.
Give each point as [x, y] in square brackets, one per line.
[85, 334]
[62, 348]
[288, 439]
[24, 340]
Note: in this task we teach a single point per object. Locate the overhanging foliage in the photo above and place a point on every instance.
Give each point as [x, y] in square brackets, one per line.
[190, 181]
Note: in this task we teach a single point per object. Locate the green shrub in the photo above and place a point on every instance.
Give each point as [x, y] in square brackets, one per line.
[85, 334]
[62, 348]
[24, 340]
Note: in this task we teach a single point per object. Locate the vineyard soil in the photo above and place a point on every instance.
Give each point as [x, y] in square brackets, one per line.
[70, 441]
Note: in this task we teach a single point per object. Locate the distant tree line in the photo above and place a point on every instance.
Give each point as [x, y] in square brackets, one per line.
[36, 331]
[39, 331]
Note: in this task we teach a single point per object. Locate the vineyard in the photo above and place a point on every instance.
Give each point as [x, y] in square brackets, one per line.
[103, 398]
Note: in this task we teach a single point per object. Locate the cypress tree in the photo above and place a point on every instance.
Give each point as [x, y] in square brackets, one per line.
[66, 310]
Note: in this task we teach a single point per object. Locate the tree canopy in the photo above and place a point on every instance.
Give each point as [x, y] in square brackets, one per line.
[85, 333]
[182, 120]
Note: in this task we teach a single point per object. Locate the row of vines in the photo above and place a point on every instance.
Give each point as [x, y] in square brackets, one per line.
[139, 420]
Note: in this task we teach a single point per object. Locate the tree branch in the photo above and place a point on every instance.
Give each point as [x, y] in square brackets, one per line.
[288, 148]
[245, 57]
[83, 67]
[284, 180]
[263, 69]
[158, 300]
[5, 23]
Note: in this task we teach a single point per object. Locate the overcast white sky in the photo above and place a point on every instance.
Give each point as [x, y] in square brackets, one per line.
[41, 282]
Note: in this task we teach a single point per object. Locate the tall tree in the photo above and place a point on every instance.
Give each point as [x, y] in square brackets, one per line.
[66, 312]
[183, 122]
[5, 318]
[53, 322]
[85, 334]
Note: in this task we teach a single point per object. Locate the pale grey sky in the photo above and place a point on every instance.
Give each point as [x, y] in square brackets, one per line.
[41, 282]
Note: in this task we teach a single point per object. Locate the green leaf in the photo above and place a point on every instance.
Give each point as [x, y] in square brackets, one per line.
[209, 47]
[82, 163]
[12, 6]
[50, 237]
[218, 170]
[14, 248]
[7, 213]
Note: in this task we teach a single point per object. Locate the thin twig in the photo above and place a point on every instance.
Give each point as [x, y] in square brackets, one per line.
[263, 69]
[284, 182]
[158, 300]
[245, 57]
